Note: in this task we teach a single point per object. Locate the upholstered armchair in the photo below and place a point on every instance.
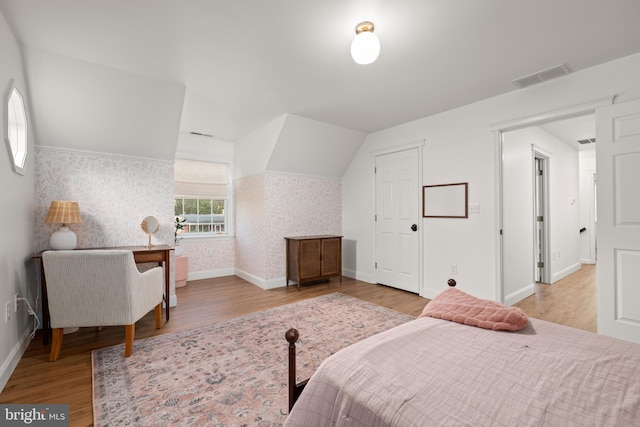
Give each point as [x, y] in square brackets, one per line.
[99, 288]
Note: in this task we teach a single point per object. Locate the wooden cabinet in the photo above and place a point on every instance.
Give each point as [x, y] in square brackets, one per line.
[313, 258]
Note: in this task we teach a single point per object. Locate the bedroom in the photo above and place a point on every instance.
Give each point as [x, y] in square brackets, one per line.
[459, 146]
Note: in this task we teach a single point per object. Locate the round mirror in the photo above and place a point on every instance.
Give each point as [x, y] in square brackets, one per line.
[150, 225]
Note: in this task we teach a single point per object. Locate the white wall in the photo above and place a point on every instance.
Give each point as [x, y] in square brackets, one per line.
[87, 107]
[453, 152]
[310, 147]
[253, 150]
[460, 146]
[17, 209]
[518, 238]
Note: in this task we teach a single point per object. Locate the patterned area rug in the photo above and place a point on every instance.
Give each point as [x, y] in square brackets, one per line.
[232, 373]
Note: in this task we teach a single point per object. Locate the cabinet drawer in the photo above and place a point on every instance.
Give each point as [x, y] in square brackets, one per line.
[149, 257]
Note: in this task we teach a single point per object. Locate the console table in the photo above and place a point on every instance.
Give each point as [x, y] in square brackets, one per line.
[313, 258]
[141, 254]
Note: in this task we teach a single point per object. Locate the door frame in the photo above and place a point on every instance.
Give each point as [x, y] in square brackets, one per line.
[545, 157]
[373, 155]
[498, 129]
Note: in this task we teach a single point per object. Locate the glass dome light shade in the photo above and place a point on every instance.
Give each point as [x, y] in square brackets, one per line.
[365, 48]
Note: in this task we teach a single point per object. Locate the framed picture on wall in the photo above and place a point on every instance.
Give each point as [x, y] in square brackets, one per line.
[445, 200]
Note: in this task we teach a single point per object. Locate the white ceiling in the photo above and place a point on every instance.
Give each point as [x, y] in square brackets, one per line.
[573, 130]
[246, 62]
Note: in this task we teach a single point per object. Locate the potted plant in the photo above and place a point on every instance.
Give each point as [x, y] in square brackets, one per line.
[179, 226]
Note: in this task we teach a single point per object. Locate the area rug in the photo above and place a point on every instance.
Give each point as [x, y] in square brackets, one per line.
[232, 373]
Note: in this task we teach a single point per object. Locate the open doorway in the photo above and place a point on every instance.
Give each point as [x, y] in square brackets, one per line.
[545, 211]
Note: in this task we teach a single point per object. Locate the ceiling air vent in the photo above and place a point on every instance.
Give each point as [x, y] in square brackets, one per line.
[201, 134]
[542, 76]
[587, 141]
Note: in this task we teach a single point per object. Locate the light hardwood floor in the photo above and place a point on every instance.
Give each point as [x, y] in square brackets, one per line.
[570, 301]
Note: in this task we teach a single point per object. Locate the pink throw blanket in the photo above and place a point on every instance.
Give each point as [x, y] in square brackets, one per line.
[457, 306]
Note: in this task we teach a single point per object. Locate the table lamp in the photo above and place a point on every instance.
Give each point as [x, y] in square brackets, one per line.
[63, 212]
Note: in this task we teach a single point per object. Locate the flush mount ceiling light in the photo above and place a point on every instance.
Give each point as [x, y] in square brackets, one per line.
[365, 47]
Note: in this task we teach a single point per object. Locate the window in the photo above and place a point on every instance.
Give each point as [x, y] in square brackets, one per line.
[201, 215]
[201, 192]
[16, 128]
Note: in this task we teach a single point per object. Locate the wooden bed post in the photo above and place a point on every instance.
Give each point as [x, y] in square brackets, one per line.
[292, 337]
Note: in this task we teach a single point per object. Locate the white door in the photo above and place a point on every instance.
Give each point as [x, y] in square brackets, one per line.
[618, 204]
[397, 214]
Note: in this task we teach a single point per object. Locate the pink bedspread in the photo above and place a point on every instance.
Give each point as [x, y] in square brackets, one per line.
[431, 372]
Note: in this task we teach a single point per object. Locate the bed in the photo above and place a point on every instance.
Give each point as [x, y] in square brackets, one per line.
[437, 372]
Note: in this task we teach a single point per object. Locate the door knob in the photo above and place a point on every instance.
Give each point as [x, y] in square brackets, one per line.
[414, 227]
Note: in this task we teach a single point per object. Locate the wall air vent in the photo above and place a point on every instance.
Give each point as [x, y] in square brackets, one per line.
[542, 76]
[587, 141]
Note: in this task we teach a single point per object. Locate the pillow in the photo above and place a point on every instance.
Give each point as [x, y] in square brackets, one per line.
[457, 306]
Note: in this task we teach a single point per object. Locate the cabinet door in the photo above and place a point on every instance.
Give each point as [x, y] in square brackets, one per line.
[331, 257]
[309, 259]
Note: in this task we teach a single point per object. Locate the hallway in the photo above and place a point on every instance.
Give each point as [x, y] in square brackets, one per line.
[570, 301]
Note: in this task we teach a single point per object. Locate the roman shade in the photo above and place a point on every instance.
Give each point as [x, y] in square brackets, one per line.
[200, 180]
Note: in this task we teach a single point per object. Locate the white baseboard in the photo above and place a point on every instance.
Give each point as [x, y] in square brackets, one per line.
[259, 281]
[210, 274]
[565, 272]
[266, 284]
[519, 295]
[14, 357]
[275, 283]
[349, 273]
[358, 275]
[430, 293]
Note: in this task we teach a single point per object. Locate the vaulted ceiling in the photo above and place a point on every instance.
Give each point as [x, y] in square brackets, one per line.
[245, 63]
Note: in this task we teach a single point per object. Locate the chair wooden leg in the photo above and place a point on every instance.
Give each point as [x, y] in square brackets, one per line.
[159, 316]
[56, 343]
[129, 332]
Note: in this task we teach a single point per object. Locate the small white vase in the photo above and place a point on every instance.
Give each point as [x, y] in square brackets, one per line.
[179, 250]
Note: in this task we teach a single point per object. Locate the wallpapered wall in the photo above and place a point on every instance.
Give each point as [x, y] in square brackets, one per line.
[271, 206]
[209, 257]
[250, 225]
[114, 195]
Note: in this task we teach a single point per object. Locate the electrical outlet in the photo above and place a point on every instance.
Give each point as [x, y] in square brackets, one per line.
[8, 312]
[453, 269]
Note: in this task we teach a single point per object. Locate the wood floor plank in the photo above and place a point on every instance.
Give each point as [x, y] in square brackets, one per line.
[570, 301]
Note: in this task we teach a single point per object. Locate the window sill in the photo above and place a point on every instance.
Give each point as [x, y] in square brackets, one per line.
[206, 237]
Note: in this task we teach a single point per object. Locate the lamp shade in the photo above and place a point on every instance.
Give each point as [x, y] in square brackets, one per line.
[63, 212]
[365, 46]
